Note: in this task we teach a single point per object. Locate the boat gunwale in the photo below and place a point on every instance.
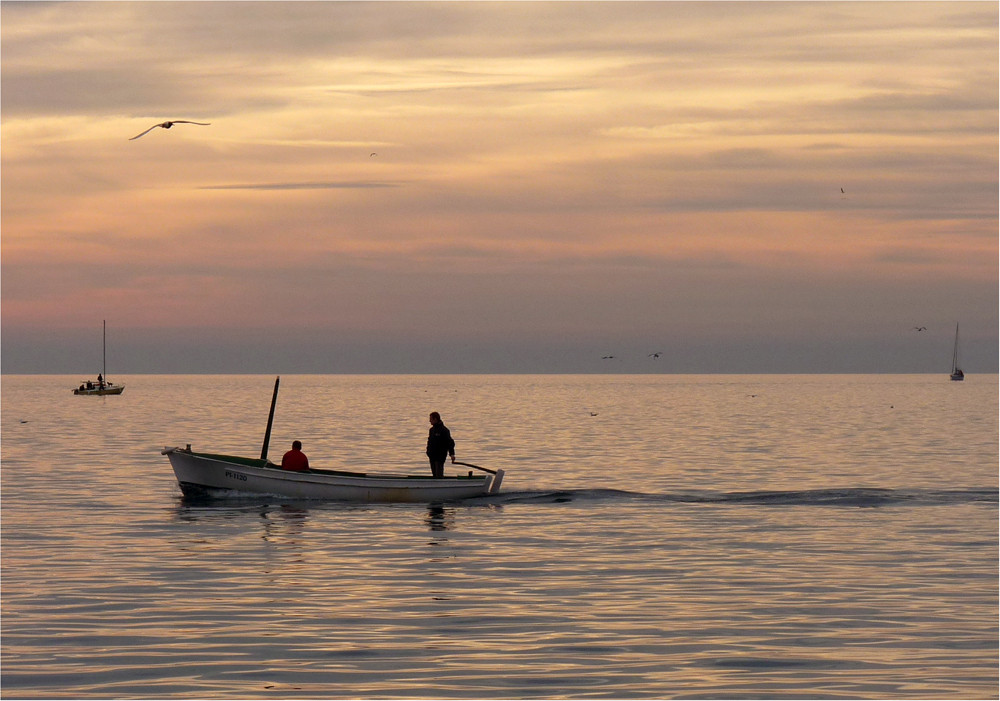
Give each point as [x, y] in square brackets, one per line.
[266, 467]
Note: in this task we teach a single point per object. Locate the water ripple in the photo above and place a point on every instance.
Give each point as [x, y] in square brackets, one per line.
[808, 543]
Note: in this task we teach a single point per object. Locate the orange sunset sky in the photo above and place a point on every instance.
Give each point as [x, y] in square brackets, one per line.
[552, 183]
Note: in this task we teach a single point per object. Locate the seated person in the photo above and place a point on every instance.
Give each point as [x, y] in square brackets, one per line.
[295, 459]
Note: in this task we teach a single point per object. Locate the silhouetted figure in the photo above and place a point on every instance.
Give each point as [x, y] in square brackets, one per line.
[439, 445]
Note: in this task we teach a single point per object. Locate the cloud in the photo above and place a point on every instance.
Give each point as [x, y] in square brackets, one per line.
[560, 166]
[301, 186]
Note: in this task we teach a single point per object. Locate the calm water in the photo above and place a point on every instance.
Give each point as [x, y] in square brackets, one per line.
[699, 537]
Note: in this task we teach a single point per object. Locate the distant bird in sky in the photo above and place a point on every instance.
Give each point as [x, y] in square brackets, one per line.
[920, 328]
[372, 154]
[842, 191]
[657, 354]
[167, 125]
[607, 357]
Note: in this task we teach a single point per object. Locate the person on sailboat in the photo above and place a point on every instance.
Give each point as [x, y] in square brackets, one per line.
[295, 460]
[100, 380]
[439, 445]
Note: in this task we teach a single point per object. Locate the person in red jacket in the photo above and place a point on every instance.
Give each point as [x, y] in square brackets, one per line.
[295, 459]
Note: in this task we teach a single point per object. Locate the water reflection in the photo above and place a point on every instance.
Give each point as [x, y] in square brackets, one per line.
[284, 522]
[270, 513]
[291, 516]
[440, 517]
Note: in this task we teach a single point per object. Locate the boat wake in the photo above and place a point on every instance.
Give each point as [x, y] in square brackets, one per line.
[856, 497]
[860, 497]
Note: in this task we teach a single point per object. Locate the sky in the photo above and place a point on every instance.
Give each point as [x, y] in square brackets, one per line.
[493, 187]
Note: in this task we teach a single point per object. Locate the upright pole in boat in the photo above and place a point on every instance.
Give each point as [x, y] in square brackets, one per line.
[270, 420]
[104, 351]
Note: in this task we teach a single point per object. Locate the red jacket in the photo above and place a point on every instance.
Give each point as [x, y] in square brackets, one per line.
[295, 460]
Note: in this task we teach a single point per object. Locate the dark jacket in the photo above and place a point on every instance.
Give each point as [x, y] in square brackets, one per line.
[439, 442]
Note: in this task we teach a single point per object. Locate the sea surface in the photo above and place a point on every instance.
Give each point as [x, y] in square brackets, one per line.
[657, 536]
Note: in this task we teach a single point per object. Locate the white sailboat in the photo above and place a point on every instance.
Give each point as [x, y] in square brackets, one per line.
[101, 386]
[956, 372]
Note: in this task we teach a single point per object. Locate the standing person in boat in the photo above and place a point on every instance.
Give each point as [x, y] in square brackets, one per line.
[439, 445]
[295, 460]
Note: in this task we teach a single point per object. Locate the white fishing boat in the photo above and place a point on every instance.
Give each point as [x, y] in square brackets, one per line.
[211, 474]
[206, 474]
[956, 372]
[100, 386]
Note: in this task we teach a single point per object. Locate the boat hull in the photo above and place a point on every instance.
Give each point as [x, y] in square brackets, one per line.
[100, 392]
[216, 475]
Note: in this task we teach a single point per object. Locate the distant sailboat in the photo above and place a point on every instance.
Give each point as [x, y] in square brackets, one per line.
[956, 372]
[101, 387]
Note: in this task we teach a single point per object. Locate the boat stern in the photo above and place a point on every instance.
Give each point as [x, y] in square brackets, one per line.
[495, 483]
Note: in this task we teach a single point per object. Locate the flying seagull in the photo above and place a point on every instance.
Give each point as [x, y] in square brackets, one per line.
[167, 125]
[607, 357]
[657, 354]
[920, 328]
[372, 154]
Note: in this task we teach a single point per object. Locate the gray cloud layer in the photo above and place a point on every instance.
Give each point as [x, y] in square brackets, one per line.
[605, 173]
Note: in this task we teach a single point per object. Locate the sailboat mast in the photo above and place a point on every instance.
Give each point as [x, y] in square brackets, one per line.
[104, 350]
[954, 357]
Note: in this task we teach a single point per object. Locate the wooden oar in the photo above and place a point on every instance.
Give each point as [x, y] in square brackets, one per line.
[484, 469]
[469, 464]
